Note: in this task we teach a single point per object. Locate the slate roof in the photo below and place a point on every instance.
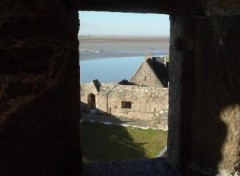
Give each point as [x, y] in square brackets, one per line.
[160, 66]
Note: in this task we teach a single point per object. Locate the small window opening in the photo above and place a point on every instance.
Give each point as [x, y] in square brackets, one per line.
[145, 78]
[126, 105]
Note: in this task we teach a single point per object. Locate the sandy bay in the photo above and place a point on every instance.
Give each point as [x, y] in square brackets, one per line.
[111, 47]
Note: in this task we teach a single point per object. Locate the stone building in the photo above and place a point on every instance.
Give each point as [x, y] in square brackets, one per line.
[153, 72]
[39, 86]
[145, 97]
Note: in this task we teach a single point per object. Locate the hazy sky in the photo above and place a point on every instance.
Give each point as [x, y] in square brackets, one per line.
[123, 24]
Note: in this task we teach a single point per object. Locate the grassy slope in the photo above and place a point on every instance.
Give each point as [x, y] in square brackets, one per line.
[111, 142]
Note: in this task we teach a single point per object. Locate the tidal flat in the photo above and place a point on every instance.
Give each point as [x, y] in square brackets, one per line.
[110, 47]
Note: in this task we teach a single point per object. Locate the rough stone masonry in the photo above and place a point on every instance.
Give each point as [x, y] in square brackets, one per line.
[39, 88]
[147, 103]
[39, 84]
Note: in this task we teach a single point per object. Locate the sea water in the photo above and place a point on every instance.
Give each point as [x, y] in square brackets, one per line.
[109, 70]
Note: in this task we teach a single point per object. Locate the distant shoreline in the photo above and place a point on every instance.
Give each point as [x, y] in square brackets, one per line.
[111, 47]
[109, 56]
[124, 37]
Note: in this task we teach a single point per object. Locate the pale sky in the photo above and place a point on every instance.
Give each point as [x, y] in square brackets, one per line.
[123, 24]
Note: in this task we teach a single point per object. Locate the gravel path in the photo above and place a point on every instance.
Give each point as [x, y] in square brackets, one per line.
[107, 119]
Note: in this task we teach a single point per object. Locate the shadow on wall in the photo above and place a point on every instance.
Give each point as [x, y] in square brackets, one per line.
[115, 140]
[216, 104]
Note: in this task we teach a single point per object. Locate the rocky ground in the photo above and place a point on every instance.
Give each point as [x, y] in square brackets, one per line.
[147, 167]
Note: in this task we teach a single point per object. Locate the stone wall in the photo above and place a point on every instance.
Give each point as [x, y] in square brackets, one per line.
[39, 88]
[89, 88]
[39, 84]
[217, 99]
[146, 6]
[204, 95]
[147, 103]
[146, 76]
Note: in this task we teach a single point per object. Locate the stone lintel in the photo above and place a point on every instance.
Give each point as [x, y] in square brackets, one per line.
[144, 6]
[223, 8]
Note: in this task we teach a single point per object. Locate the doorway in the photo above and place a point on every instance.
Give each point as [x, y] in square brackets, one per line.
[91, 101]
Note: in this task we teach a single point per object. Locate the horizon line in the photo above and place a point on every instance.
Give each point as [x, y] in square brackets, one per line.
[124, 36]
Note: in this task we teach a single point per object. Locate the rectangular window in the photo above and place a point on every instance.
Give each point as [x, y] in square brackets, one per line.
[126, 104]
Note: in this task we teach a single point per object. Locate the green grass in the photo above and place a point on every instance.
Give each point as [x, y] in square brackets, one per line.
[111, 142]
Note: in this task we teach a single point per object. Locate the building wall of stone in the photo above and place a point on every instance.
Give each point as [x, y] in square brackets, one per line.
[146, 102]
[39, 83]
[100, 97]
[204, 95]
[217, 99]
[39, 88]
[147, 6]
[146, 76]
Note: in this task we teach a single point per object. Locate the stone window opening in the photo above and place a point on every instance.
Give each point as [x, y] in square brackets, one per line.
[126, 105]
[195, 145]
